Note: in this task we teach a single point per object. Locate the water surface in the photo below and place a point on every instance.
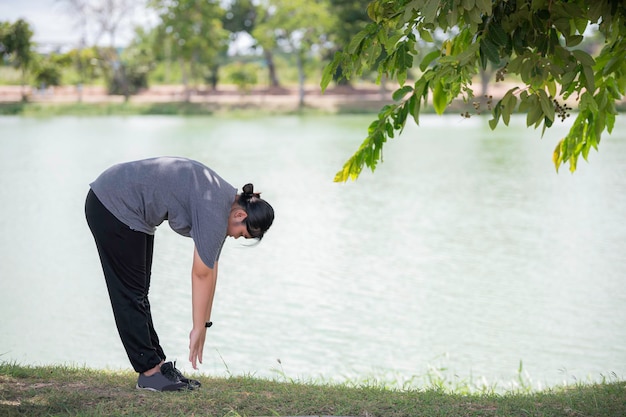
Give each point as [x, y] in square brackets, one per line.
[464, 251]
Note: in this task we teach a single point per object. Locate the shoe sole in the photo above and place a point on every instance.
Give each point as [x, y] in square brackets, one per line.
[147, 388]
[156, 390]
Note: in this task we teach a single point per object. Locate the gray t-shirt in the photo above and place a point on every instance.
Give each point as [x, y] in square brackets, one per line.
[194, 200]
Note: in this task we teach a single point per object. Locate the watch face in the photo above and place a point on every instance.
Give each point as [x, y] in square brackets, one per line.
[208, 324]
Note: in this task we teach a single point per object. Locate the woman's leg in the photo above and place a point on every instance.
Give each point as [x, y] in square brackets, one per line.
[126, 265]
[153, 335]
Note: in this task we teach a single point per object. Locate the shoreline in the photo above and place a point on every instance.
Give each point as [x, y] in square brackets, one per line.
[175, 99]
[336, 99]
[223, 98]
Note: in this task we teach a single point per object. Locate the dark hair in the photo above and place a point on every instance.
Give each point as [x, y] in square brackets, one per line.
[260, 214]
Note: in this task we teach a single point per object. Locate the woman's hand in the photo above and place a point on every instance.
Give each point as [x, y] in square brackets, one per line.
[196, 346]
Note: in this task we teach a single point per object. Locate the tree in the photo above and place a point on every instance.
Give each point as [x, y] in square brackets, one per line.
[16, 45]
[243, 16]
[195, 30]
[535, 40]
[80, 11]
[47, 69]
[5, 29]
[85, 60]
[137, 60]
[296, 26]
[104, 18]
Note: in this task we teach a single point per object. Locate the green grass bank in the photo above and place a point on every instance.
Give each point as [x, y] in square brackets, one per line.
[76, 391]
[167, 109]
[107, 109]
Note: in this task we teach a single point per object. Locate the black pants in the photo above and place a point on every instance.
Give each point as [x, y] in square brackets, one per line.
[126, 257]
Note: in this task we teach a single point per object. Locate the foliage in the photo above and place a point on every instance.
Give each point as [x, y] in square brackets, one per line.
[244, 75]
[241, 16]
[535, 40]
[136, 62]
[294, 26]
[193, 31]
[16, 45]
[85, 61]
[5, 29]
[48, 72]
[352, 17]
[15, 42]
[244, 16]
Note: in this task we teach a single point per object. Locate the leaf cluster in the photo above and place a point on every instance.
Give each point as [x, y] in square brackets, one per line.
[538, 41]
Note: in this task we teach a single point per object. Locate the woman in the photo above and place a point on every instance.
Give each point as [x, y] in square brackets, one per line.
[123, 208]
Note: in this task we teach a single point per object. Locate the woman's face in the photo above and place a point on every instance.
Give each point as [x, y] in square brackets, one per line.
[236, 225]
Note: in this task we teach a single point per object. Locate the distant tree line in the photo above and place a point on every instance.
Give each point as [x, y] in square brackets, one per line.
[191, 40]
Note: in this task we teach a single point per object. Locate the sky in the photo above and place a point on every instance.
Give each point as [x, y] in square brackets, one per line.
[53, 24]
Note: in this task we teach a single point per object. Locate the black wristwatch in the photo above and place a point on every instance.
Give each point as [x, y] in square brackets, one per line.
[208, 324]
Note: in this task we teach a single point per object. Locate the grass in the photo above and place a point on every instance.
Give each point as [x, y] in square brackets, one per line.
[131, 109]
[102, 109]
[76, 391]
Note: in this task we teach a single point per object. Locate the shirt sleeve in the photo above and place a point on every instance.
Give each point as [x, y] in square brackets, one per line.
[209, 221]
[209, 234]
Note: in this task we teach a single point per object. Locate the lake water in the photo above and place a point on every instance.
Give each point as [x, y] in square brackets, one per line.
[462, 256]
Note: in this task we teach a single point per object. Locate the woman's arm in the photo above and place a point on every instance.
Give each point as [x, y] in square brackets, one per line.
[203, 281]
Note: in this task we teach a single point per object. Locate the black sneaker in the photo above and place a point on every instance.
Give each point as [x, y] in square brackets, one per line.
[166, 380]
[193, 383]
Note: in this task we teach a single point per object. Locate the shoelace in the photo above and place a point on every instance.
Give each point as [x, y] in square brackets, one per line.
[170, 373]
[178, 374]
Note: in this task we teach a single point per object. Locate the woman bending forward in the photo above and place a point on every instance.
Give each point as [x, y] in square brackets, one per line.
[124, 206]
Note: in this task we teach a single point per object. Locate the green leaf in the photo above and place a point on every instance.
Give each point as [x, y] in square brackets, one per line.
[497, 35]
[414, 108]
[329, 71]
[410, 8]
[556, 155]
[440, 98]
[551, 88]
[399, 118]
[425, 35]
[430, 10]
[401, 92]
[610, 122]
[497, 110]
[474, 16]
[468, 4]
[467, 55]
[357, 41]
[403, 61]
[573, 40]
[485, 6]
[589, 79]
[430, 57]
[614, 63]
[546, 105]
[584, 58]
[534, 114]
[489, 50]
[509, 101]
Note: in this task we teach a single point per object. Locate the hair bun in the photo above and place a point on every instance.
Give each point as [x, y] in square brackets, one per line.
[248, 189]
